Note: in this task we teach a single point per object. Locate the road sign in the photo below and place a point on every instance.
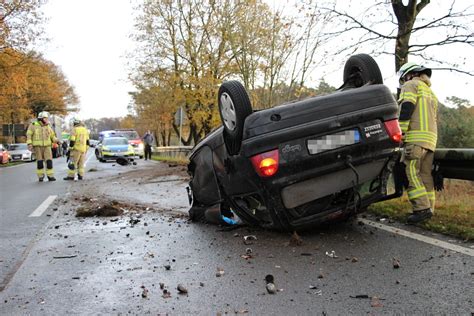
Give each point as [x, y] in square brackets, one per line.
[180, 116]
[13, 130]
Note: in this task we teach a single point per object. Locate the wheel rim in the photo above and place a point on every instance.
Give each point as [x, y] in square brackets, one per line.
[228, 112]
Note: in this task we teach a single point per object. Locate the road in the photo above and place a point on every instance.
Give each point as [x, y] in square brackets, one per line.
[114, 265]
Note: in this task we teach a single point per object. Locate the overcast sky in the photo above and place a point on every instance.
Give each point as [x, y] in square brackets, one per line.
[90, 41]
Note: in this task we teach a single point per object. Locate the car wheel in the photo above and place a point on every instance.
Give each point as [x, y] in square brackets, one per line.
[102, 160]
[234, 107]
[97, 154]
[361, 70]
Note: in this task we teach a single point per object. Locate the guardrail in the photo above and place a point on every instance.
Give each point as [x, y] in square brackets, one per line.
[172, 151]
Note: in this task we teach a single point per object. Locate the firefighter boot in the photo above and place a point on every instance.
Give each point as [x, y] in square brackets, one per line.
[419, 216]
[51, 178]
[68, 178]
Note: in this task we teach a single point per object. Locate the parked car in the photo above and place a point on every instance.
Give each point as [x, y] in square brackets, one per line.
[20, 152]
[302, 163]
[4, 155]
[112, 148]
[134, 140]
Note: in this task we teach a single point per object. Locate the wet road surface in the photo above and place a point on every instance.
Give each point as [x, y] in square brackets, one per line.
[115, 265]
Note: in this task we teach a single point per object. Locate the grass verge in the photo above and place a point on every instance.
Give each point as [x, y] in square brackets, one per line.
[454, 211]
[11, 164]
[176, 160]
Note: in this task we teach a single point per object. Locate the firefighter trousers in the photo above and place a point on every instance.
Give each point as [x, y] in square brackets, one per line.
[76, 163]
[418, 163]
[44, 158]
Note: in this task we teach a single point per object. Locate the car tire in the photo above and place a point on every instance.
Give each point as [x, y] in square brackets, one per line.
[234, 107]
[360, 70]
[102, 160]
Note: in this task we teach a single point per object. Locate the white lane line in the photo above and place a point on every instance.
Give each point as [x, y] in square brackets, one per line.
[425, 239]
[44, 206]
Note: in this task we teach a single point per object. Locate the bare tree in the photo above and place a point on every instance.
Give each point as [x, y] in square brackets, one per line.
[385, 22]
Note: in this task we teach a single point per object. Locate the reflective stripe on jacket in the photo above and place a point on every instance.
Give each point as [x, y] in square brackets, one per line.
[80, 136]
[40, 135]
[421, 129]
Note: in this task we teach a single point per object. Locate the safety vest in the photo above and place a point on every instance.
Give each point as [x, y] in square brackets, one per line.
[80, 136]
[40, 135]
[421, 129]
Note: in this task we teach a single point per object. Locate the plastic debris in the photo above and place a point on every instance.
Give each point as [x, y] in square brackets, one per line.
[220, 272]
[331, 254]
[396, 263]
[249, 239]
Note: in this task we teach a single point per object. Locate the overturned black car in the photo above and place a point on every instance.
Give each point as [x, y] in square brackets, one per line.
[302, 163]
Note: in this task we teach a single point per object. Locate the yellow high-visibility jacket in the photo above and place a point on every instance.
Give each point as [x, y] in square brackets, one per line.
[80, 136]
[40, 135]
[421, 128]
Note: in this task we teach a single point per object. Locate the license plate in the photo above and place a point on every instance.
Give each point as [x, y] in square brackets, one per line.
[16, 157]
[333, 141]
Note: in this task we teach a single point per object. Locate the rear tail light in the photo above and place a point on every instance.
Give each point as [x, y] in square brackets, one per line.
[393, 130]
[266, 164]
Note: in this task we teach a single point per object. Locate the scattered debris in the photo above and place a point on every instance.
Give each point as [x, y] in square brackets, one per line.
[162, 286]
[363, 296]
[220, 272]
[295, 240]
[182, 289]
[108, 208]
[166, 294]
[313, 287]
[306, 254]
[167, 267]
[376, 302]
[354, 259]
[64, 257]
[144, 292]
[92, 170]
[396, 263]
[271, 288]
[249, 239]
[331, 254]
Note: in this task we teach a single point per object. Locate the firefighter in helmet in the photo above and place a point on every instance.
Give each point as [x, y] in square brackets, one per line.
[40, 137]
[78, 145]
[418, 122]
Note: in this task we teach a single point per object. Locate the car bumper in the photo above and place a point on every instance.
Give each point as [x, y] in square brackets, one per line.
[113, 156]
[20, 158]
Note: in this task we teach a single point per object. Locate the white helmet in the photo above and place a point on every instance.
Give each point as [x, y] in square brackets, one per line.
[76, 120]
[43, 114]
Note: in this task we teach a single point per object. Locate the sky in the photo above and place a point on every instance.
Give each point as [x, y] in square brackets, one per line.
[89, 40]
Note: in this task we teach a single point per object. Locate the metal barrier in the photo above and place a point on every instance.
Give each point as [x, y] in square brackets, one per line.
[172, 151]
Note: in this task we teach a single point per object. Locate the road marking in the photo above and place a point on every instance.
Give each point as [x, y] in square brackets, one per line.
[44, 206]
[425, 239]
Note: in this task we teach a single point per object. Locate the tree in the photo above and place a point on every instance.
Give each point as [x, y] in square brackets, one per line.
[20, 23]
[413, 34]
[33, 84]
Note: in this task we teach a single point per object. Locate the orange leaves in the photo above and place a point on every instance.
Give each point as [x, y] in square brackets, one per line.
[32, 84]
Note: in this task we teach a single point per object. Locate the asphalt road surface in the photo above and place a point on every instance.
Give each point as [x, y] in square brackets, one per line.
[59, 264]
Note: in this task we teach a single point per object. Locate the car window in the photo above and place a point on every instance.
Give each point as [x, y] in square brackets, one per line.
[115, 141]
[129, 134]
[18, 147]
